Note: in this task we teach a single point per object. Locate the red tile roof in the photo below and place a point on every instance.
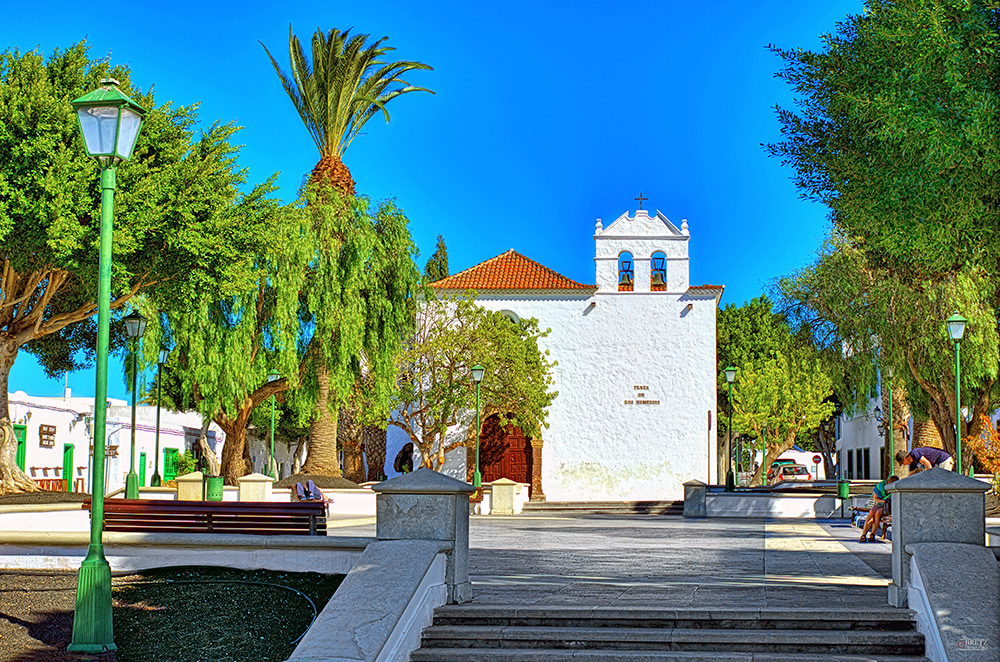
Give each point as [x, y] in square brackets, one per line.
[705, 289]
[509, 271]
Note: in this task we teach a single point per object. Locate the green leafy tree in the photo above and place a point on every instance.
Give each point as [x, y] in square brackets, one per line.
[880, 319]
[779, 398]
[437, 266]
[896, 131]
[436, 390]
[183, 226]
[345, 84]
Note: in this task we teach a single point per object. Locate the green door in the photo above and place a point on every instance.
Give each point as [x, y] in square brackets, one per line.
[21, 433]
[68, 466]
[169, 463]
[142, 470]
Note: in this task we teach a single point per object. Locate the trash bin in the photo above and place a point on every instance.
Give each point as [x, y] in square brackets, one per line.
[214, 488]
[843, 489]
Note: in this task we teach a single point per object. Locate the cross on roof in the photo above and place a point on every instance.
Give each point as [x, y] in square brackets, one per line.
[640, 199]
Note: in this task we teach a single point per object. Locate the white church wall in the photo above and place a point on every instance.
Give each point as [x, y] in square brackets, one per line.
[597, 447]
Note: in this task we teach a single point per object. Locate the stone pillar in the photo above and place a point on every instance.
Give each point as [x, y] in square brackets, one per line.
[694, 499]
[255, 487]
[190, 486]
[933, 506]
[502, 497]
[427, 505]
[536, 471]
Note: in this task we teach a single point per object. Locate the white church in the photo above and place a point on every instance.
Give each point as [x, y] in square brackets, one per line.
[636, 411]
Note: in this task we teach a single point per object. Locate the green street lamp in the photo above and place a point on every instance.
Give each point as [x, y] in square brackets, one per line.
[956, 329]
[892, 452]
[110, 123]
[157, 481]
[477, 375]
[272, 377]
[135, 326]
[730, 481]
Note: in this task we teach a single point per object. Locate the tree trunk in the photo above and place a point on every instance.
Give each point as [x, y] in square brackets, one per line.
[234, 452]
[375, 450]
[206, 450]
[12, 479]
[300, 450]
[322, 458]
[826, 442]
[900, 425]
[351, 440]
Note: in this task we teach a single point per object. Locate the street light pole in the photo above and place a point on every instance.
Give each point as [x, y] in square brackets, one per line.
[477, 375]
[956, 329]
[135, 326]
[892, 452]
[100, 110]
[730, 482]
[271, 377]
[164, 353]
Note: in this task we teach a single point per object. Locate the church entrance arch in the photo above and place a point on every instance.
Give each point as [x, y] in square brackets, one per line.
[504, 452]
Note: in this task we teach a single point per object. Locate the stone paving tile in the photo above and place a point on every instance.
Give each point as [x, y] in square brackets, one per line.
[668, 562]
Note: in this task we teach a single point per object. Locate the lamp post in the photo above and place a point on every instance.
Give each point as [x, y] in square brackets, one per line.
[135, 326]
[161, 359]
[956, 329]
[892, 453]
[730, 482]
[110, 123]
[477, 375]
[272, 377]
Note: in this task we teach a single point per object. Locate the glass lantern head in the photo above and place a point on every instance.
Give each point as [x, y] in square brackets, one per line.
[135, 325]
[109, 121]
[477, 373]
[730, 374]
[164, 353]
[273, 376]
[956, 326]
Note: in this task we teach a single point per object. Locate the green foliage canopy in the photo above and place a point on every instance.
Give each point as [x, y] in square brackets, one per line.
[897, 130]
[436, 388]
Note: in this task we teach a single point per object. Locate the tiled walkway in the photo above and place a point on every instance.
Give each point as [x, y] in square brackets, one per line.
[671, 562]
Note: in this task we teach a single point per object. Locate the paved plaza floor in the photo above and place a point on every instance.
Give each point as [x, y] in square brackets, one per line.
[634, 560]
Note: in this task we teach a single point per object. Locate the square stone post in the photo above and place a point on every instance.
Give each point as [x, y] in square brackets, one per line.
[502, 500]
[427, 505]
[933, 506]
[256, 487]
[694, 498]
[190, 486]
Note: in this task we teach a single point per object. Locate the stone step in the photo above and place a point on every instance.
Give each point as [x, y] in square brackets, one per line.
[562, 655]
[652, 617]
[605, 507]
[678, 639]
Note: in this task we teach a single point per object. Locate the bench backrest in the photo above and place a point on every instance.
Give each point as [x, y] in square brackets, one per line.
[262, 518]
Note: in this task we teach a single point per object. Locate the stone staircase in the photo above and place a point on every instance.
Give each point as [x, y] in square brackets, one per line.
[603, 508]
[483, 633]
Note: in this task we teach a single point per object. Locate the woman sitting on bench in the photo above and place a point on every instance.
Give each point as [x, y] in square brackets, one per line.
[880, 498]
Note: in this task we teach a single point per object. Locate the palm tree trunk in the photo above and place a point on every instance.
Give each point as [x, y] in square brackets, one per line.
[322, 458]
[375, 451]
[351, 442]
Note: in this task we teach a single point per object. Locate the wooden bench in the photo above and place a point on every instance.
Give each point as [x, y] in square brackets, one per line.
[261, 518]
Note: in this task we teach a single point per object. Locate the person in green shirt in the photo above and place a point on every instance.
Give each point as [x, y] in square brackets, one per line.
[880, 506]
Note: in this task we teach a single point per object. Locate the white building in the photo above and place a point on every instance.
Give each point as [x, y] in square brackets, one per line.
[636, 375]
[55, 437]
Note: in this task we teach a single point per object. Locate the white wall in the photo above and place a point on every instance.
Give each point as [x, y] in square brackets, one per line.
[860, 430]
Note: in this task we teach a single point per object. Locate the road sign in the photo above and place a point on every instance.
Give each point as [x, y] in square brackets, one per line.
[817, 459]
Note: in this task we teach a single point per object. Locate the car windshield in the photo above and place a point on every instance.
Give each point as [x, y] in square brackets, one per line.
[796, 471]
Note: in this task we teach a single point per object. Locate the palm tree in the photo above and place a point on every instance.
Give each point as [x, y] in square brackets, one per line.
[346, 85]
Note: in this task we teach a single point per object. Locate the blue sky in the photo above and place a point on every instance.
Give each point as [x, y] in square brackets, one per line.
[547, 115]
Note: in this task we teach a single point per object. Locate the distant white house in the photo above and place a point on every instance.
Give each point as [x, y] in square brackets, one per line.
[55, 440]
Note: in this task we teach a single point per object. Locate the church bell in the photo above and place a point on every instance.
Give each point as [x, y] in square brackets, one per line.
[657, 279]
[625, 279]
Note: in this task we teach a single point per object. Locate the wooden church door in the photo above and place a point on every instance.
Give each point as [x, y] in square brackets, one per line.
[504, 452]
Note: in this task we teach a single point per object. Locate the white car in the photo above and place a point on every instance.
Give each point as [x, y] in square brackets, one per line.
[791, 472]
